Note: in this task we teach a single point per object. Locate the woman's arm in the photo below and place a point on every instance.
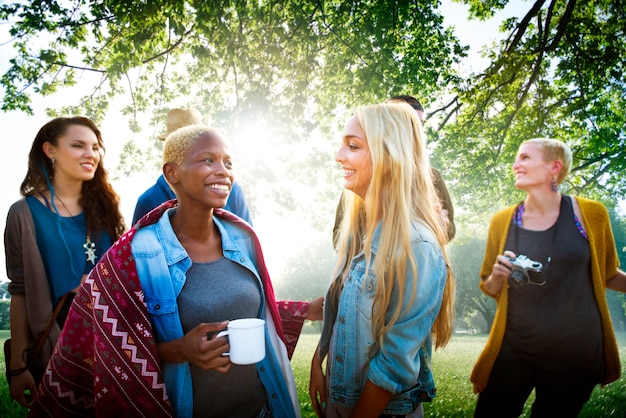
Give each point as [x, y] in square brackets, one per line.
[317, 384]
[617, 282]
[23, 382]
[396, 367]
[492, 285]
[495, 269]
[372, 402]
[293, 314]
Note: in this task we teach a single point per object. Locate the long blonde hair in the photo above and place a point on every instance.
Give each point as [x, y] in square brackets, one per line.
[400, 193]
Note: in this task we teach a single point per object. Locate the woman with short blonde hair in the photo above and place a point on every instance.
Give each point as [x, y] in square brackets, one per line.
[548, 262]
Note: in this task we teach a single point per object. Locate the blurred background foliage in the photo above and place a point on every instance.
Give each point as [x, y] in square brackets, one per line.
[295, 70]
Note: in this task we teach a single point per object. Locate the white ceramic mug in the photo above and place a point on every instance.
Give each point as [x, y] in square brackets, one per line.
[246, 338]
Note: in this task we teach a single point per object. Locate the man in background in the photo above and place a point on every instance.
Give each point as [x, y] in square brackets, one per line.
[161, 192]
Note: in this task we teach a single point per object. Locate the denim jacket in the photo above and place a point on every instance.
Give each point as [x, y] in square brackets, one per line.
[162, 264]
[402, 366]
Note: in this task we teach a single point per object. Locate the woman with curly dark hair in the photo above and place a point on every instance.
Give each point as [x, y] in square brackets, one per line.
[67, 220]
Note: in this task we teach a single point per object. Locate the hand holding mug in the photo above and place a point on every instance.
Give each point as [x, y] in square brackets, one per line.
[246, 338]
[204, 352]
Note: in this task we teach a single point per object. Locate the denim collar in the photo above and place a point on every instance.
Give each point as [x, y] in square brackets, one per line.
[173, 250]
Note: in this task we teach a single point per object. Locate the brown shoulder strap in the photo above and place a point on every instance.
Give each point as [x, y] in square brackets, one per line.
[44, 336]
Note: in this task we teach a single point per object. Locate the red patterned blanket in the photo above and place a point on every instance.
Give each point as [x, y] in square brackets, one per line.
[106, 361]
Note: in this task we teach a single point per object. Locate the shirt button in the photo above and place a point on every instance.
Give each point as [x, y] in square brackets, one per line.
[262, 369]
[274, 396]
[342, 320]
[157, 307]
[339, 359]
[242, 259]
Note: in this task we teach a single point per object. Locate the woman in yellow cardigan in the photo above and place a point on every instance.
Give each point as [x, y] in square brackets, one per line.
[547, 263]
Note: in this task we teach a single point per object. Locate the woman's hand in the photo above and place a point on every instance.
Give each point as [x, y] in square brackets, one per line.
[499, 275]
[316, 309]
[200, 347]
[317, 385]
[23, 388]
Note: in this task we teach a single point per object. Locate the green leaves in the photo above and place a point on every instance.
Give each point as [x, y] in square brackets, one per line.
[559, 73]
[271, 55]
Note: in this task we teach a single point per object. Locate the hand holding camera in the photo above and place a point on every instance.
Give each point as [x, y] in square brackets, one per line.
[524, 271]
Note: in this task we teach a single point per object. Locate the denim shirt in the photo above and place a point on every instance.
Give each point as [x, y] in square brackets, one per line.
[162, 264]
[402, 367]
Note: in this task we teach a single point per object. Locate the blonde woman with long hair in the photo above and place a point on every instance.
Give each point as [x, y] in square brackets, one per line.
[393, 290]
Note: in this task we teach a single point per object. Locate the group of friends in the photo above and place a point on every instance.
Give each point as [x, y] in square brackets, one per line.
[137, 333]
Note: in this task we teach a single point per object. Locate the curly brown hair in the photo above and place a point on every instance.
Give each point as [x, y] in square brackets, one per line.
[99, 201]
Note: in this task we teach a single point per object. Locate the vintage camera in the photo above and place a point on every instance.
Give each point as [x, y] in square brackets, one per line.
[525, 271]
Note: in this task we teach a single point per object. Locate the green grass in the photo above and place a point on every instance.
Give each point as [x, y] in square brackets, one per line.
[452, 366]
[8, 408]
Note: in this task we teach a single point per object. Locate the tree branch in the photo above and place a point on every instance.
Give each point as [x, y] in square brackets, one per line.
[591, 161]
[327, 26]
[171, 48]
[523, 25]
[567, 15]
[75, 67]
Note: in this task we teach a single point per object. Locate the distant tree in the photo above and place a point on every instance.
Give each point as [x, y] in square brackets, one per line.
[473, 307]
[5, 320]
[308, 272]
[5, 304]
[558, 72]
[4, 290]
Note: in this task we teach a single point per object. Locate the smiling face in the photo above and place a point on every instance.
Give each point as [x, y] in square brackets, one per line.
[76, 154]
[531, 170]
[355, 159]
[204, 176]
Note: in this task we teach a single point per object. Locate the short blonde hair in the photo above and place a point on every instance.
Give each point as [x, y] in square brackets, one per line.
[552, 150]
[178, 143]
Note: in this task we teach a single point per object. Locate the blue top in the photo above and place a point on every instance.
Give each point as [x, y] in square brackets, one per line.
[161, 192]
[162, 264]
[402, 366]
[61, 243]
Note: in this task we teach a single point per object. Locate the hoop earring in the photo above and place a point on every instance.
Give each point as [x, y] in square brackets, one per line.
[554, 186]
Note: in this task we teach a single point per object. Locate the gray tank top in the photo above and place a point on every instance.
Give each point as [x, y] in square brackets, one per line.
[214, 292]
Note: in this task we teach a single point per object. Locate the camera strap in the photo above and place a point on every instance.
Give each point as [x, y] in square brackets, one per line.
[518, 224]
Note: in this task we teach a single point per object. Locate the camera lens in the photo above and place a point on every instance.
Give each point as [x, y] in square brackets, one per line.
[518, 278]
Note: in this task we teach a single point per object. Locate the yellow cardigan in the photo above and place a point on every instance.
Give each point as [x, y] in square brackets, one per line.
[604, 265]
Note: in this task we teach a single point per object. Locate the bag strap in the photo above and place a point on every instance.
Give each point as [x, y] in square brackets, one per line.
[44, 336]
